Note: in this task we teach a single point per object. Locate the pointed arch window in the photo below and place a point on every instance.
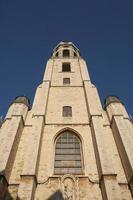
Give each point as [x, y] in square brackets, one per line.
[57, 54]
[68, 159]
[75, 55]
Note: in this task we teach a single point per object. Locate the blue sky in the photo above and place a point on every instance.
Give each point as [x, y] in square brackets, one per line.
[102, 30]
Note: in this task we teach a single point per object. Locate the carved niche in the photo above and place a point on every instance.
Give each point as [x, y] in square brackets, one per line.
[69, 187]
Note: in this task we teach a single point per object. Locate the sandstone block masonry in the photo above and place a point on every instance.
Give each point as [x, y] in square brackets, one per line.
[66, 146]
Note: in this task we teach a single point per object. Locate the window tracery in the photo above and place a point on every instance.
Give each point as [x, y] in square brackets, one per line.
[68, 159]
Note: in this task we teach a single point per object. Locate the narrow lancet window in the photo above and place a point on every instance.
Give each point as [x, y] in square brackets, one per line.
[75, 55]
[57, 54]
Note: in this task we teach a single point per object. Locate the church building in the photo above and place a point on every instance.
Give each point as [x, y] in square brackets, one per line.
[67, 145]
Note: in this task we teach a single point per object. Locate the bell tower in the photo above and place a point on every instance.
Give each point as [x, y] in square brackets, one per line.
[67, 146]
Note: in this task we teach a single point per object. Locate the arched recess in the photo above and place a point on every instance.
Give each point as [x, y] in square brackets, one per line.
[66, 53]
[68, 153]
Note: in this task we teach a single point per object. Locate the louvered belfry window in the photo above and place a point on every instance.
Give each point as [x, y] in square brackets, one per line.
[66, 53]
[68, 154]
[66, 67]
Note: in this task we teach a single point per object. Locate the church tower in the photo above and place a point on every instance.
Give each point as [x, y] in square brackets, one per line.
[67, 146]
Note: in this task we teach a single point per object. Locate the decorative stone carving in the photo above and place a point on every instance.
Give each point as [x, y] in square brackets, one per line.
[69, 187]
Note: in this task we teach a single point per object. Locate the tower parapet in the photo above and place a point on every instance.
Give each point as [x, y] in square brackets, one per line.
[65, 50]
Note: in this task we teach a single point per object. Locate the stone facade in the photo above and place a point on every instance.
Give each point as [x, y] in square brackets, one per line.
[28, 139]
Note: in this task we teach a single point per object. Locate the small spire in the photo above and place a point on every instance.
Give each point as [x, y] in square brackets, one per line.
[111, 99]
[23, 100]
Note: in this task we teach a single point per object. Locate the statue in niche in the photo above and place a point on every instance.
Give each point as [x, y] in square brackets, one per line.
[69, 189]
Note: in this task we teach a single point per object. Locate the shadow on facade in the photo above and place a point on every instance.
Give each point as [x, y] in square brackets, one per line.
[4, 193]
[8, 196]
[56, 196]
